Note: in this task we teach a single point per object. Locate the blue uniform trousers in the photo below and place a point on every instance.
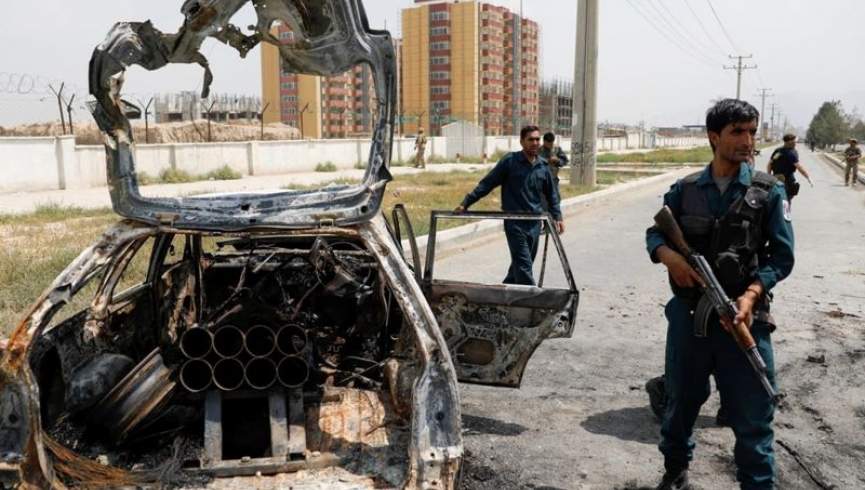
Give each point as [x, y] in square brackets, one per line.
[689, 362]
[523, 238]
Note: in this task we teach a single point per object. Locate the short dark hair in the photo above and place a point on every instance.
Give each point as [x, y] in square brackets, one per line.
[549, 136]
[528, 129]
[730, 111]
[789, 137]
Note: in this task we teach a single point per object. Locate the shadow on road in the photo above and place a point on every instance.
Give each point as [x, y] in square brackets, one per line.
[631, 424]
[473, 424]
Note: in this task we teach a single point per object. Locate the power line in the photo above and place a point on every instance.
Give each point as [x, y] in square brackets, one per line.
[699, 50]
[688, 34]
[703, 27]
[739, 69]
[666, 36]
[723, 29]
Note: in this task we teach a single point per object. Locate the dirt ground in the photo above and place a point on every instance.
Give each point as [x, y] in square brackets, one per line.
[581, 419]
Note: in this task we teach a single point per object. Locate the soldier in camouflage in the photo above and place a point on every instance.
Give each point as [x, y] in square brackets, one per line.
[851, 156]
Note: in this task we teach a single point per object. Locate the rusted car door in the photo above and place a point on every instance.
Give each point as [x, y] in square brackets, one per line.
[493, 330]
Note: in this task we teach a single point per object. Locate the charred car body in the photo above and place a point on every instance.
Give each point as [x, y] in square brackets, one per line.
[283, 335]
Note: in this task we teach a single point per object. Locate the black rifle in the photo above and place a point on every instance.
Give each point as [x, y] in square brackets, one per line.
[716, 296]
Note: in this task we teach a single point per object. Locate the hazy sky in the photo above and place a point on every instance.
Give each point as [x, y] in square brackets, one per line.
[660, 60]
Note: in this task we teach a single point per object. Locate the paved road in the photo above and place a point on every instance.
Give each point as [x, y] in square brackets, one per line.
[581, 418]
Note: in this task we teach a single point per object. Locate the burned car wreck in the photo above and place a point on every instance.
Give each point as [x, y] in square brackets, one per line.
[283, 337]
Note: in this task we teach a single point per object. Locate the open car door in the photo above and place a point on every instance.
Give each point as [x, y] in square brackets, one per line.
[493, 330]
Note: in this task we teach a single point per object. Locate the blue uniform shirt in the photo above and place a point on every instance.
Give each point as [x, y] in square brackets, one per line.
[776, 259]
[523, 184]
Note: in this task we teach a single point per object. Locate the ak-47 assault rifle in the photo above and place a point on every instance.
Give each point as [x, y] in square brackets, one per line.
[715, 294]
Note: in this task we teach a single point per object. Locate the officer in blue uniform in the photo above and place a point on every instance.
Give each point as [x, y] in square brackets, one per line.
[739, 219]
[526, 181]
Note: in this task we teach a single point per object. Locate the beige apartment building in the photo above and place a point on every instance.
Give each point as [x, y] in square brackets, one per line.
[339, 106]
[469, 61]
[458, 60]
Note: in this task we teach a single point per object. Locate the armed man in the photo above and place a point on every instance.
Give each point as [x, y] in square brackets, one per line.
[784, 163]
[852, 154]
[553, 154]
[737, 222]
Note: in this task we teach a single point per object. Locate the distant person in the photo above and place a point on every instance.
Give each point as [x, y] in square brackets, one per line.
[420, 149]
[553, 154]
[851, 156]
[784, 163]
[525, 178]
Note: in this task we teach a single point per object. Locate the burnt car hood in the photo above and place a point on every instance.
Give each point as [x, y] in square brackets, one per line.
[334, 36]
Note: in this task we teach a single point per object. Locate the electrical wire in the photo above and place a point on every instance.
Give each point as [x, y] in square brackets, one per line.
[672, 29]
[666, 36]
[703, 28]
[686, 34]
[723, 29]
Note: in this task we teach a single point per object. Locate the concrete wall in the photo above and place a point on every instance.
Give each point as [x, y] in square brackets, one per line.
[36, 164]
[29, 164]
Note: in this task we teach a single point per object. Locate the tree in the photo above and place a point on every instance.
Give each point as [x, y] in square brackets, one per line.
[829, 126]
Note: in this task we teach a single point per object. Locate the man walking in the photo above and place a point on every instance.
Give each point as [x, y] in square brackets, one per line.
[739, 220]
[784, 163]
[420, 149]
[851, 156]
[524, 178]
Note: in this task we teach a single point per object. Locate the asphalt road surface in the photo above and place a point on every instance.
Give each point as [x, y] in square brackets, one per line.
[581, 418]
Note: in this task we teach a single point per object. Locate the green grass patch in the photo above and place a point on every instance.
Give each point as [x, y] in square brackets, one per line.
[51, 213]
[326, 167]
[223, 173]
[178, 176]
[702, 154]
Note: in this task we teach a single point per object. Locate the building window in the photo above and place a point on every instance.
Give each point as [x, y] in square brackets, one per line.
[438, 90]
[443, 15]
[439, 31]
[289, 85]
[439, 75]
[441, 105]
[289, 98]
[440, 46]
[439, 60]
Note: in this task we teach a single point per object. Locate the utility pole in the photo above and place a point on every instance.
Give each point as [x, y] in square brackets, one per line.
[261, 120]
[585, 126]
[764, 92]
[302, 111]
[739, 69]
[209, 120]
[59, 95]
[69, 113]
[772, 123]
[146, 119]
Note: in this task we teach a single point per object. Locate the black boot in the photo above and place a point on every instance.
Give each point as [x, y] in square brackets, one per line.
[675, 480]
[657, 396]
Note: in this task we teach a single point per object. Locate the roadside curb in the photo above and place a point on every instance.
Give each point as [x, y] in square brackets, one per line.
[838, 163]
[453, 238]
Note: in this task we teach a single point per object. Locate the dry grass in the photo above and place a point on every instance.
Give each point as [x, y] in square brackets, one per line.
[36, 247]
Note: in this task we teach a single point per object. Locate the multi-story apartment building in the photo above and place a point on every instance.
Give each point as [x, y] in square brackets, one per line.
[470, 61]
[556, 107]
[338, 106]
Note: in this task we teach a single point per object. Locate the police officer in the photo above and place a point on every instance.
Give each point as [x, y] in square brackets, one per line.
[852, 154]
[553, 154]
[749, 243]
[420, 149]
[524, 177]
[784, 163]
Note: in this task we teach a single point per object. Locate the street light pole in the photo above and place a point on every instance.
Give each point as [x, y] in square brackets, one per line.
[585, 125]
